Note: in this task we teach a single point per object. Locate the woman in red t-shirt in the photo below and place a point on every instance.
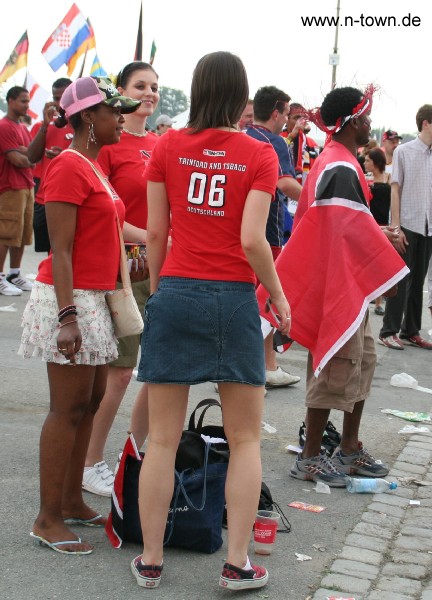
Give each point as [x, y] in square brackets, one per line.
[125, 164]
[66, 321]
[213, 185]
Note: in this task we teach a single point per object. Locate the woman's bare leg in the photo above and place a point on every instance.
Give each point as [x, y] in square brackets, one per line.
[242, 408]
[139, 423]
[117, 383]
[167, 411]
[70, 395]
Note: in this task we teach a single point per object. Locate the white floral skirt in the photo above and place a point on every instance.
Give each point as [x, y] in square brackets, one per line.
[41, 327]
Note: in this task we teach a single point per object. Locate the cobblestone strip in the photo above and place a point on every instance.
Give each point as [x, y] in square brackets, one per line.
[388, 555]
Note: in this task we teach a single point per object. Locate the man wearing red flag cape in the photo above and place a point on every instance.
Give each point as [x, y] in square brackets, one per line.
[337, 260]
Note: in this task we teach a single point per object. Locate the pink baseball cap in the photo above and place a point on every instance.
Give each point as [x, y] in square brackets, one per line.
[90, 91]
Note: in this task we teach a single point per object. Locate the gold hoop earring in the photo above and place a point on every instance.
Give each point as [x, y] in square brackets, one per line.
[91, 136]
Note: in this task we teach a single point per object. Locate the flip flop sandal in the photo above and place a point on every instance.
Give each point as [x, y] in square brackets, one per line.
[55, 545]
[87, 522]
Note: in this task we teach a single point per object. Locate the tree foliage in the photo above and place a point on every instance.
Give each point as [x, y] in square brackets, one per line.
[172, 102]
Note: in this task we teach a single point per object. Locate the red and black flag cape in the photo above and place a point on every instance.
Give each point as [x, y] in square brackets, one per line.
[337, 259]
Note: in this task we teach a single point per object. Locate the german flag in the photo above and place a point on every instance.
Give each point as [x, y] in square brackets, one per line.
[17, 60]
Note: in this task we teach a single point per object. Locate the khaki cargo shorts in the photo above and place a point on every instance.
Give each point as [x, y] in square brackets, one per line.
[16, 218]
[128, 346]
[347, 377]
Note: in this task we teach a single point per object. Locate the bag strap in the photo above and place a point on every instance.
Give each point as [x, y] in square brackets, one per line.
[286, 524]
[124, 272]
[181, 488]
[207, 403]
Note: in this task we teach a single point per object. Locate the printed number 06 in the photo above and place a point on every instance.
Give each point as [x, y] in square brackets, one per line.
[198, 187]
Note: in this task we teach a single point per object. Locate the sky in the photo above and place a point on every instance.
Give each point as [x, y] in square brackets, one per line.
[275, 44]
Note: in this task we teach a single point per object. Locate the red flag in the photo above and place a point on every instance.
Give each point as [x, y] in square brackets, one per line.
[114, 524]
[337, 259]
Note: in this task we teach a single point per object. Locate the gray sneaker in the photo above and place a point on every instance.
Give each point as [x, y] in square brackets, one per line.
[359, 463]
[318, 468]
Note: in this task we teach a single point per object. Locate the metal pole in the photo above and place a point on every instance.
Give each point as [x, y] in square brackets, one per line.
[335, 49]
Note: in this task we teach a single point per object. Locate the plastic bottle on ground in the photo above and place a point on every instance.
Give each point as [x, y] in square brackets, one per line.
[369, 485]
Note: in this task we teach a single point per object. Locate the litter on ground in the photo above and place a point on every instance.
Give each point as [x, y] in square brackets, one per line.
[302, 556]
[407, 381]
[10, 308]
[408, 416]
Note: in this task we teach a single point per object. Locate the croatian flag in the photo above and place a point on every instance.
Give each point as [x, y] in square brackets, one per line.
[66, 39]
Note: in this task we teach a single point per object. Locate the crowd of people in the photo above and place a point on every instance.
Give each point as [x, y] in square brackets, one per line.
[241, 204]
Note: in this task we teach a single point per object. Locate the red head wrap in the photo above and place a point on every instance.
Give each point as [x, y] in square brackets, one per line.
[365, 104]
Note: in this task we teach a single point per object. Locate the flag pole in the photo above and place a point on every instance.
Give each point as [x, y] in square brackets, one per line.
[152, 52]
[83, 62]
[139, 42]
[335, 56]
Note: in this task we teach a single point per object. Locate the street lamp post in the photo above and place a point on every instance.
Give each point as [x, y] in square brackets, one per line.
[334, 58]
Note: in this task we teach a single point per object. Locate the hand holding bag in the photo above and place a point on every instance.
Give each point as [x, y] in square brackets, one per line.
[122, 305]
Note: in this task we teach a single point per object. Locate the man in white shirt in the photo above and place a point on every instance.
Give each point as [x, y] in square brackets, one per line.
[411, 211]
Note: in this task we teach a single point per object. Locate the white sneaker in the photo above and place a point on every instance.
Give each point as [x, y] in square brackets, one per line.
[19, 282]
[280, 378]
[216, 389]
[98, 479]
[7, 289]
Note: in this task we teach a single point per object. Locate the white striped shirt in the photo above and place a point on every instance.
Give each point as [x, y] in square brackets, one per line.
[412, 170]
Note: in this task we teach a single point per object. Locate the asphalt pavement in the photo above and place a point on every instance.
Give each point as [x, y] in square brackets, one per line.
[335, 539]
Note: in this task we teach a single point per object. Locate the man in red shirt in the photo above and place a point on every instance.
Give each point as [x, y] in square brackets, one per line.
[48, 141]
[16, 192]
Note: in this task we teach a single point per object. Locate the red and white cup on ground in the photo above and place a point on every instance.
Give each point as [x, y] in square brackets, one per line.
[265, 529]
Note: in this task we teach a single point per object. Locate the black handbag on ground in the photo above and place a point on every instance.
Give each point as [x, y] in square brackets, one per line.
[266, 502]
[195, 516]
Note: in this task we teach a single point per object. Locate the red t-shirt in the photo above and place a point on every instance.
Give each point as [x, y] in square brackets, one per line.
[96, 247]
[12, 136]
[53, 137]
[125, 164]
[208, 176]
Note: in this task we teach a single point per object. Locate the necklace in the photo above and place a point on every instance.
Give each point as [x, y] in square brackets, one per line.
[135, 134]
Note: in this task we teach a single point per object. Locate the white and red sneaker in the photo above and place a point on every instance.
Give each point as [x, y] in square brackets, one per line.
[233, 578]
[148, 576]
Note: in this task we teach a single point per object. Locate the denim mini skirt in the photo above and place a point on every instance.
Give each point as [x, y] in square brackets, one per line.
[201, 330]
